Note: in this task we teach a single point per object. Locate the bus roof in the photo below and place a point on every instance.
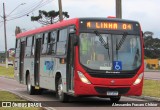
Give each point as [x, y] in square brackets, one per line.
[48, 27]
[66, 23]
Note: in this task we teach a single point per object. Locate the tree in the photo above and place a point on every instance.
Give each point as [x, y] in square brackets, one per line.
[17, 30]
[152, 45]
[50, 17]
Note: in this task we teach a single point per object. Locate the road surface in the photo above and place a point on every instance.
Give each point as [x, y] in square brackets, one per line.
[75, 103]
[155, 75]
[2, 64]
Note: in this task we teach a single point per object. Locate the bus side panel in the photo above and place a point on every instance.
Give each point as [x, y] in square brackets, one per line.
[16, 69]
[61, 68]
[29, 66]
[47, 65]
[17, 63]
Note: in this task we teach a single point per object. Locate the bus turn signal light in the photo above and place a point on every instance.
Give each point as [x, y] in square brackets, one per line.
[62, 61]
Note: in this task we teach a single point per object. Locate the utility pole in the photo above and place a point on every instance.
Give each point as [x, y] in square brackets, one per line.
[5, 36]
[60, 10]
[119, 9]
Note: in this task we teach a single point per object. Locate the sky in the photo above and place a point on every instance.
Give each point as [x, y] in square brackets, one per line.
[144, 11]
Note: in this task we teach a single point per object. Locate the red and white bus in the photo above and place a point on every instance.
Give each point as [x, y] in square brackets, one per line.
[82, 57]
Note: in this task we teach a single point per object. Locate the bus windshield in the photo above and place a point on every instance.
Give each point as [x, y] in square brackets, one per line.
[106, 51]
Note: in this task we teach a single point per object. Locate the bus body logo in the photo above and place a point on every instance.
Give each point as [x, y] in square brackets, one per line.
[48, 65]
[113, 81]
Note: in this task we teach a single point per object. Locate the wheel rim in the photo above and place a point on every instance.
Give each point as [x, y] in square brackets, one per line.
[60, 90]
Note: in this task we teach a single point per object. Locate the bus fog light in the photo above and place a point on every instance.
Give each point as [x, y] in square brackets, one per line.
[83, 78]
[138, 80]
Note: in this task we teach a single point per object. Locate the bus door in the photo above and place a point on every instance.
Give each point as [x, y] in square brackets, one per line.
[70, 64]
[37, 61]
[21, 62]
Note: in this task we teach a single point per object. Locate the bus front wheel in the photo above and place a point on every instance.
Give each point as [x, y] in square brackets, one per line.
[61, 95]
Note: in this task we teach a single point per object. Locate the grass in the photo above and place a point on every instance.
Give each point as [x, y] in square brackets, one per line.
[7, 96]
[7, 72]
[151, 88]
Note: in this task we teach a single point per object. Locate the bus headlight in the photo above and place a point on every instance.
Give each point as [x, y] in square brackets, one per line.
[83, 78]
[138, 80]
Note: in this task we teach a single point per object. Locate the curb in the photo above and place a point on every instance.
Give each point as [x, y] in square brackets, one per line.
[27, 99]
[148, 98]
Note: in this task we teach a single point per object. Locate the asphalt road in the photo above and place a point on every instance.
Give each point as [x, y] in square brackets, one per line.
[155, 75]
[2, 64]
[75, 103]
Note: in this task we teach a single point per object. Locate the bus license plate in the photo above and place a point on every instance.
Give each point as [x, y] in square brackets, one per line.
[112, 93]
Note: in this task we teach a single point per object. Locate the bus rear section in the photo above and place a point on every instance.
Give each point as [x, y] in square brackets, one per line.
[109, 58]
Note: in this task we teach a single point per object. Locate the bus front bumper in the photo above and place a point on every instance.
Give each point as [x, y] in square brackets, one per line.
[82, 89]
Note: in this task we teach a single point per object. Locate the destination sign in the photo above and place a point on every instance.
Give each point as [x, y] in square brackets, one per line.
[109, 25]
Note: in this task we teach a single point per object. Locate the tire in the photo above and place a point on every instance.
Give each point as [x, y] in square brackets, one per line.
[61, 95]
[30, 88]
[115, 99]
[38, 91]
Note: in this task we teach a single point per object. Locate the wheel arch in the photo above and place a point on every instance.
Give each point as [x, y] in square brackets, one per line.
[57, 76]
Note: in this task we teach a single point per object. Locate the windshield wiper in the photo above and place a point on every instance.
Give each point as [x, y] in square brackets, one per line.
[121, 41]
[102, 40]
[106, 45]
[118, 45]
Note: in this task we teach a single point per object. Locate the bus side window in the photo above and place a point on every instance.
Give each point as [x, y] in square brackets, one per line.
[28, 46]
[52, 42]
[44, 43]
[61, 43]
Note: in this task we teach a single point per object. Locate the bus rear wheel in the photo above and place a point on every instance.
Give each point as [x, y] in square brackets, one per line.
[115, 98]
[30, 88]
[61, 95]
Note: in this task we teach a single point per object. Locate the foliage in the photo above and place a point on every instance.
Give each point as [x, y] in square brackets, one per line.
[149, 66]
[151, 88]
[7, 72]
[145, 57]
[158, 67]
[2, 55]
[152, 46]
[7, 96]
[50, 17]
